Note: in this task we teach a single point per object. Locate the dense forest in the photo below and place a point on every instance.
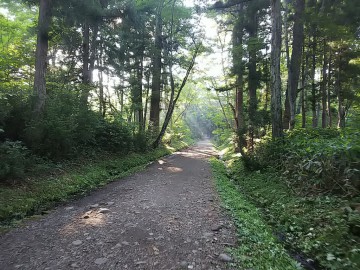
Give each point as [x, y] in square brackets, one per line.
[275, 84]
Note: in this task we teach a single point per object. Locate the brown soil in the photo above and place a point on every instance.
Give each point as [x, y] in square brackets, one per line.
[165, 217]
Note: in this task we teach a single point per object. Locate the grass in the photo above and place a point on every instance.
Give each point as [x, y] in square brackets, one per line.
[320, 226]
[39, 195]
[258, 248]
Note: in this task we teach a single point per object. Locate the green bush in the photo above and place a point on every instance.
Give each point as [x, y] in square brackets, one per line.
[313, 160]
[141, 141]
[13, 160]
[55, 134]
[323, 227]
[66, 131]
[113, 137]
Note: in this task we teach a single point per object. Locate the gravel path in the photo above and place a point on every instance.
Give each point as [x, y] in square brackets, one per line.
[165, 217]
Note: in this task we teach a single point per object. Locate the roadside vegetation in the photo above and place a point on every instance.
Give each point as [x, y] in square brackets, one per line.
[305, 188]
[258, 248]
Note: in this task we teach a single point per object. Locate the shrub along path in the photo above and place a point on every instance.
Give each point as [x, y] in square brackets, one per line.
[166, 217]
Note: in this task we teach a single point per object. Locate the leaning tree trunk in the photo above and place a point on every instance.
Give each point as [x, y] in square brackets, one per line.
[173, 100]
[42, 46]
[295, 62]
[276, 112]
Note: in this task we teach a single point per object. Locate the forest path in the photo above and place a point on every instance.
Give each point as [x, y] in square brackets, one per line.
[165, 217]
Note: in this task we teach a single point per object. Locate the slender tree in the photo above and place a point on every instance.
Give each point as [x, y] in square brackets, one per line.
[295, 62]
[156, 71]
[42, 46]
[276, 108]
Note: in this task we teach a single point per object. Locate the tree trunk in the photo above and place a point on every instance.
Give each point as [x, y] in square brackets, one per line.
[156, 73]
[276, 109]
[101, 91]
[329, 89]
[313, 84]
[340, 96]
[253, 78]
[93, 50]
[286, 116]
[323, 87]
[295, 63]
[86, 78]
[102, 102]
[304, 69]
[238, 68]
[146, 101]
[173, 100]
[42, 46]
[136, 92]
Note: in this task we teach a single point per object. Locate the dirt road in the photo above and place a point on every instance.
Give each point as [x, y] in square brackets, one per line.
[165, 217]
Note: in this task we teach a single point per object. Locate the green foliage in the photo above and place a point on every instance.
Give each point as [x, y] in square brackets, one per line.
[325, 228]
[313, 160]
[117, 137]
[13, 159]
[258, 248]
[16, 46]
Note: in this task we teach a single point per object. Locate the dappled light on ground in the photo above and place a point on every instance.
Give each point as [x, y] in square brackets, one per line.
[90, 218]
[174, 169]
[197, 153]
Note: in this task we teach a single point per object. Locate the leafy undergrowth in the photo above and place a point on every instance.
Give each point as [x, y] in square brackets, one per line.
[326, 228]
[313, 161]
[258, 248]
[36, 196]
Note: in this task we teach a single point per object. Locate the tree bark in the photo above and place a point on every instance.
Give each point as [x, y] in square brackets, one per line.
[156, 72]
[286, 116]
[329, 86]
[304, 70]
[86, 77]
[295, 62]
[136, 93]
[313, 84]
[253, 78]
[238, 69]
[42, 46]
[276, 109]
[146, 100]
[340, 96]
[323, 87]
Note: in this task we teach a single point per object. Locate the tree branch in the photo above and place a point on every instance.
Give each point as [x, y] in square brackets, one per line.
[221, 5]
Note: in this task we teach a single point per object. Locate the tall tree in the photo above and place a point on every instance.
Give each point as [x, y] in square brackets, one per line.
[238, 70]
[42, 46]
[276, 108]
[295, 62]
[156, 71]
